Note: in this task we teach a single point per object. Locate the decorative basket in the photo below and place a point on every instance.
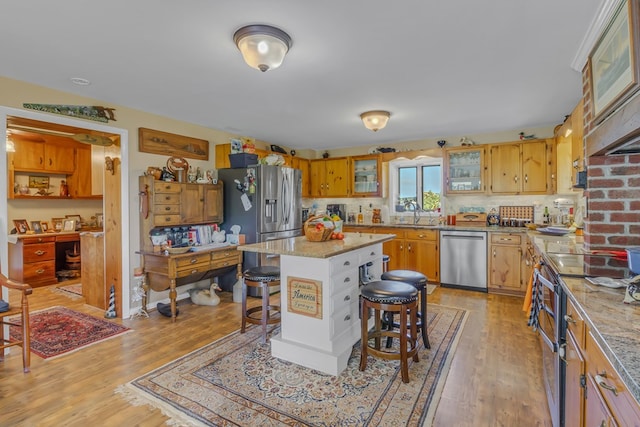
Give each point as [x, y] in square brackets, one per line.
[313, 234]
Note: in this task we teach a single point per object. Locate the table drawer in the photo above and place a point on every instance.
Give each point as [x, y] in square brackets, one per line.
[166, 199]
[162, 220]
[191, 260]
[421, 234]
[227, 253]
[38, 239]
[39, 252]
[621, 402]
[506, 238]
[39, 271]
[225, 262]
[188, 270]
[166, 209]
[344, 299]
[167, 187]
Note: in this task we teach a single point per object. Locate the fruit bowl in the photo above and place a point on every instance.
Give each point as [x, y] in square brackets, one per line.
[177, 251]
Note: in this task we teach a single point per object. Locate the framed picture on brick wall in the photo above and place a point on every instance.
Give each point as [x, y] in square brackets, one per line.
[613, 63]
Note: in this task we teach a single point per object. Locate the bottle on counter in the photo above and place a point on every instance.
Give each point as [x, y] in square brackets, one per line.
[545, 215]
[360, 216]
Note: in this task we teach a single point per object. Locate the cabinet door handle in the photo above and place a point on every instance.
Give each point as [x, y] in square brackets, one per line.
[515, 178]
[40, 253]
[494, 254]
[600, 380]
[40, 270]
[569, 319]
[526, 178]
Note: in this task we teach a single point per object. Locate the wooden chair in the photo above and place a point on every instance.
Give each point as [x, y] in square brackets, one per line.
[23, 311]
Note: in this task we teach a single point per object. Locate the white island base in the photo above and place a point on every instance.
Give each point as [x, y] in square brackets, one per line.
[320, 307]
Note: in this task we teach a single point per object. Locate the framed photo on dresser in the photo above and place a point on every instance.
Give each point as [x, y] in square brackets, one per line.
[56, 224]
[21, 225]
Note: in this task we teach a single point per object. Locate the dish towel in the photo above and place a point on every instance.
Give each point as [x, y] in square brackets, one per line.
[526, 307]
[536, 301]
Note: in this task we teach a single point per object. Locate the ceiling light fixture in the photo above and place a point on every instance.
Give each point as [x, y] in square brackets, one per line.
[80, 81]
[262, 46]
[375, 120]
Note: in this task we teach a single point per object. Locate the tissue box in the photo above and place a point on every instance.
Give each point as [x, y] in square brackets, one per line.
[242, 160]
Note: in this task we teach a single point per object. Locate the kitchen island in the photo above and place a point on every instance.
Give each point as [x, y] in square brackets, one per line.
[320, 296]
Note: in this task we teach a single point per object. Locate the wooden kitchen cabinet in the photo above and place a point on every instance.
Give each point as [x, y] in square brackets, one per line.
[330, 177]
[506, 254]
[87, 179]
[303, 165]
[414, 249]
[521, 167]
[33, 156]
[569, 151]
[94, 287]
[200, 203]
[177, 204]
[465, 170]
[575, 365]
[366, 176]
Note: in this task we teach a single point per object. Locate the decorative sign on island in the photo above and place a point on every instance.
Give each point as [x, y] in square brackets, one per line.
[304, 297]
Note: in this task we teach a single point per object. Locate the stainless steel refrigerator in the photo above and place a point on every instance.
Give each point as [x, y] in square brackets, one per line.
[266, 202]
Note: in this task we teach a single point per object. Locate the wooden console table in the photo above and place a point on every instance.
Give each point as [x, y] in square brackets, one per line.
[169, 271]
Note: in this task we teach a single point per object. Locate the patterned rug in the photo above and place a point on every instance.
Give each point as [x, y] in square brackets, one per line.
[57, 331]
[235, 382]
[73, 291]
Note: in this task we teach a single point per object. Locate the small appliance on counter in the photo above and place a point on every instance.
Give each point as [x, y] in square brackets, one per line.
[338, 209]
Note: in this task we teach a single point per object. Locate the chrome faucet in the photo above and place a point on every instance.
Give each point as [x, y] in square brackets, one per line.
[412, 205]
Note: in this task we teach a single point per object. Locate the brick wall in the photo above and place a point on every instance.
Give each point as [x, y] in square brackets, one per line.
[613, 192]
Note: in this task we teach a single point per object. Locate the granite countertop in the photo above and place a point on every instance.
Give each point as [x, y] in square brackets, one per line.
[615, 325]
[300, 246]
[419, 226]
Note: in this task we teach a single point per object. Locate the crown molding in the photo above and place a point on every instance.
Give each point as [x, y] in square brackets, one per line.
[597, 26]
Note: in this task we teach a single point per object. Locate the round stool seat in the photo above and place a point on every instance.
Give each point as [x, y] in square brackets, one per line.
[265, 273]
[389, 292]
[415, 278]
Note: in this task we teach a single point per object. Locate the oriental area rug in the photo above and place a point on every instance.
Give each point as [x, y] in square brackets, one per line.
[73, 291]
[236, 382]
[57, 331]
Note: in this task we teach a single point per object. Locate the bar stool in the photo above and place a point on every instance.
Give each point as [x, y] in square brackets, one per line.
[385, 263]
[419, 281]
[394, 297]
[260, 277]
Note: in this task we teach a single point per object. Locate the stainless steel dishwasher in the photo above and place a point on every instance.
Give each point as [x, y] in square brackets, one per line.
[463, 259]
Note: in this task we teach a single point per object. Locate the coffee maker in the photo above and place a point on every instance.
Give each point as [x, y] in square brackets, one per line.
[337, 209]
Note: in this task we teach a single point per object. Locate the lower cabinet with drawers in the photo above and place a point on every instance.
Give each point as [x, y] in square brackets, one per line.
[594, 393]
[34, 259]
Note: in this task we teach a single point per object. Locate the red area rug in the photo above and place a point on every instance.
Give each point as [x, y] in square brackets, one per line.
[57, 331]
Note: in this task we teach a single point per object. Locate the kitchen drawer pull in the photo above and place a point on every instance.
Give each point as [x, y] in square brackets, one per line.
[372, 253]
[420, 236]
[167, 208]
[40, 270]
[347, 279]
[194, 271]
[193, 260]
[600, 380]
[347, 263]
[569, 319]
[508, 239]
[39, 253]
[347, 298]
[347, 317]
[167, 197]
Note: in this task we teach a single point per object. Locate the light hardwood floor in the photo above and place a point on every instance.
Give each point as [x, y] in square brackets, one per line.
[495, 377]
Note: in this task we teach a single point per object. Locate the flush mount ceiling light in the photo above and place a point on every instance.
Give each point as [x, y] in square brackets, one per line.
[375, 120]
[262, 46]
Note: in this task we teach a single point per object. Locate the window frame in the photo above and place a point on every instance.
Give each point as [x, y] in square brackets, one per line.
[394, 186]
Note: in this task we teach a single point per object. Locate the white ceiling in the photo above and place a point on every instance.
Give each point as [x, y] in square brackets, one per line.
[441, 67]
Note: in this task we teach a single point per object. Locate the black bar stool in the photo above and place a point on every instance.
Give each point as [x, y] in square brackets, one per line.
[260, 277]
[419, 281]
[391, 297]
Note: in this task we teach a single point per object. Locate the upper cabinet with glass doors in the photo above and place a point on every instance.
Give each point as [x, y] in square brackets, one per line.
[464, 170]
[366, 175]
